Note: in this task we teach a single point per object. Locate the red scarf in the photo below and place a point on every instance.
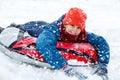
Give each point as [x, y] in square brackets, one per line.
[65, 36]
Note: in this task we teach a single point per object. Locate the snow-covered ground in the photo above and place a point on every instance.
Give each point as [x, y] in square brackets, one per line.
[103, 19]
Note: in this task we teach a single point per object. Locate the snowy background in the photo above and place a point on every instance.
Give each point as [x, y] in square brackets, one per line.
[103, 19]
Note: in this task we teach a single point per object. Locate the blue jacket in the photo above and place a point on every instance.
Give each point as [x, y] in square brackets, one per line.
[49, 34]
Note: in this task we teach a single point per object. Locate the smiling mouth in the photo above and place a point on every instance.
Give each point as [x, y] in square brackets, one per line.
[72, 33]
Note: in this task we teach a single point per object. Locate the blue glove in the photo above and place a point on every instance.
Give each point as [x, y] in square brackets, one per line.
[70, 71]
[101, 70]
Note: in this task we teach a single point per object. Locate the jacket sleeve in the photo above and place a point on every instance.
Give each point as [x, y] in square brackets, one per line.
[102, 47]
[34, 28]
[46, 44]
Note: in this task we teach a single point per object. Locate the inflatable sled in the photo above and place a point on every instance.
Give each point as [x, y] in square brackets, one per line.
[25, 51]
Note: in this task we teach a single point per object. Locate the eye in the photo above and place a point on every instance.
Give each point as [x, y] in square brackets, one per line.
[72, 25]
[78, 28]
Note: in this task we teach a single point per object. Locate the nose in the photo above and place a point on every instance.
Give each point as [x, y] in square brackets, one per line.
[74, 30]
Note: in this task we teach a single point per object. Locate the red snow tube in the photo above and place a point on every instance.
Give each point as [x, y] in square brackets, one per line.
[83, 52]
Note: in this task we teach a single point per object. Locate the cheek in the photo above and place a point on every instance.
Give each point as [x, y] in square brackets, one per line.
[68, 29]
[78, 31]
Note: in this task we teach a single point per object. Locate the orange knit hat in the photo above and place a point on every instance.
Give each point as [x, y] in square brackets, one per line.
[75, 16]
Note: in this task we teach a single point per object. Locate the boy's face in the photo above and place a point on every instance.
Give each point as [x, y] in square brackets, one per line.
[72, 29]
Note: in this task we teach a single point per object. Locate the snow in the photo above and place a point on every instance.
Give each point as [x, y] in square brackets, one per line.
[103, 19]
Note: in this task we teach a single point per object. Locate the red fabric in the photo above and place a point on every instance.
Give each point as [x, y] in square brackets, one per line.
[75, 16]
[79, 47]
[66, 37]
[23, 43]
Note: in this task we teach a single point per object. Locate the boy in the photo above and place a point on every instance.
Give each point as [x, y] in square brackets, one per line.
[69, 28]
